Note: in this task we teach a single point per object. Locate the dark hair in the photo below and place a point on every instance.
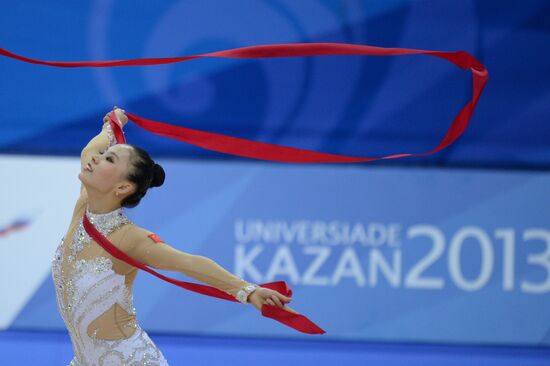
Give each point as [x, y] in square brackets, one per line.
[145, 173]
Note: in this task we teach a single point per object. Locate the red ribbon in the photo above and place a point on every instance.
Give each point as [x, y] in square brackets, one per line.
[293, 320]
[116, 127]
[296, 321]
[265, 151]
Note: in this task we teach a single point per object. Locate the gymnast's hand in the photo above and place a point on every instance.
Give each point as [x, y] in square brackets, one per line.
[268, 296]
[121, 115]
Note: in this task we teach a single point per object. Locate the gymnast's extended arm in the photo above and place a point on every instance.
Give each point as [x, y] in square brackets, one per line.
[163, 256]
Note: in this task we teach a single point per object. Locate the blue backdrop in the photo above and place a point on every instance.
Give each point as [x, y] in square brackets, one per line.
[393, 254]
[433, 255]
[365, 106]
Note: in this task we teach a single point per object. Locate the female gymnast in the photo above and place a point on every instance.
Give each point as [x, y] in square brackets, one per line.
[94, 289]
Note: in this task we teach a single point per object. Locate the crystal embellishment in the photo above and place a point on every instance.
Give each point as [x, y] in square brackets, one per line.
[104, 223]
[86, 288]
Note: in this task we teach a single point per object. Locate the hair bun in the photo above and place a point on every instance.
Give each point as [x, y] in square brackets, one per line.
[158, 176]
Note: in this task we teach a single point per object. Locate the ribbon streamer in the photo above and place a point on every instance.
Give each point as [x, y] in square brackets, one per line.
[293, 320]
[265, 151]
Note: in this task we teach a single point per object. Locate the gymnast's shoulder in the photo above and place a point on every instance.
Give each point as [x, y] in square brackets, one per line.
[136, 236]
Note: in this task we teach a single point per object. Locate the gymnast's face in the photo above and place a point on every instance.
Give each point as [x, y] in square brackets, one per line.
[106, 172]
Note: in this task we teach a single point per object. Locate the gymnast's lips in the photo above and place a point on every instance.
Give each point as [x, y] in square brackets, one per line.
[89, 167]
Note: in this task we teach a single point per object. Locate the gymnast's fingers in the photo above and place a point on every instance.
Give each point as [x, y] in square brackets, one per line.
[277, 301]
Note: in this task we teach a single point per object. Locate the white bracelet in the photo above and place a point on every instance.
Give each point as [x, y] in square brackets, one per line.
[243, 293]
[110, 134]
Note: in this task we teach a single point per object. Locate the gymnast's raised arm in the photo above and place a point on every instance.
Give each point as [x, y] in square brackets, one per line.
[97, 145]
[104, 139]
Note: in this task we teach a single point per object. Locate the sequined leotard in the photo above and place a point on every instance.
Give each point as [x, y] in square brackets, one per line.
[94, 289]
[89, 290]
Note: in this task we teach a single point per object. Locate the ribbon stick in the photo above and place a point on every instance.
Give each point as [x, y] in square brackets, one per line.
[265, 151]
